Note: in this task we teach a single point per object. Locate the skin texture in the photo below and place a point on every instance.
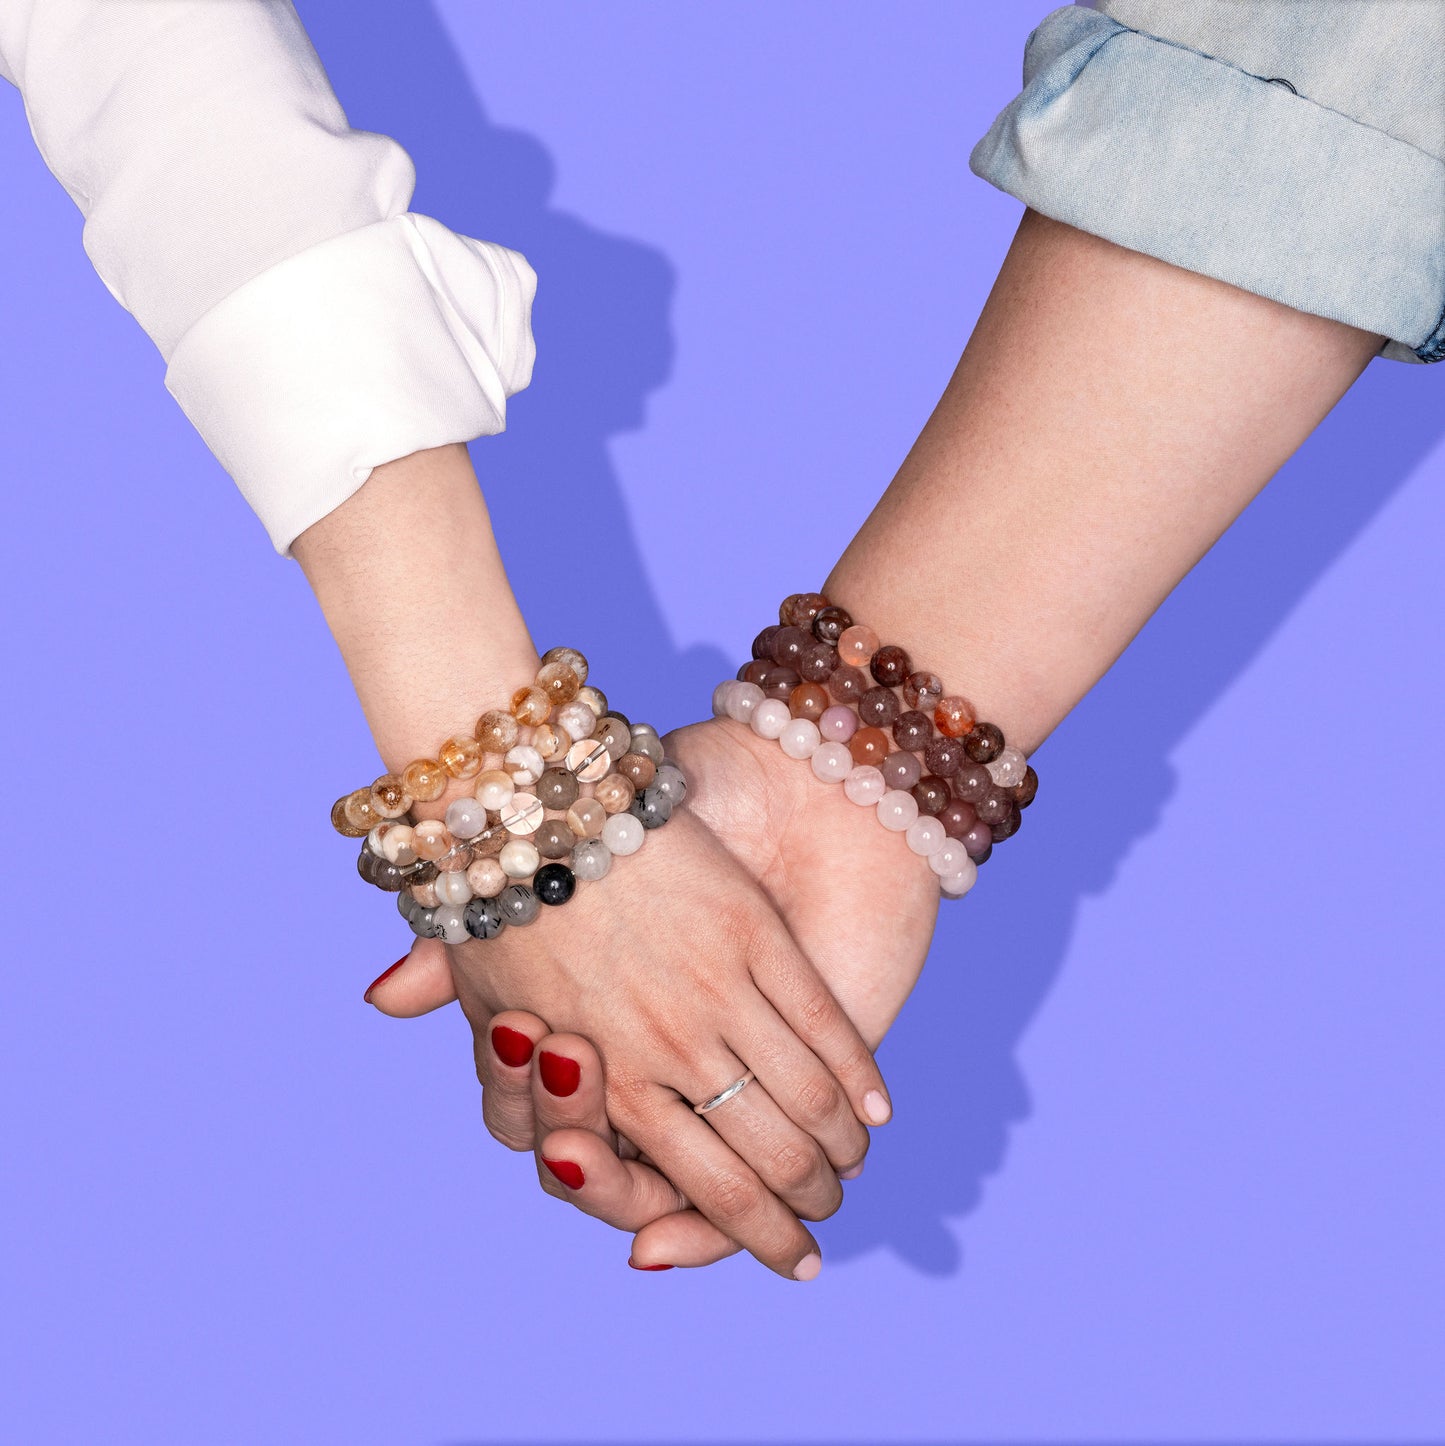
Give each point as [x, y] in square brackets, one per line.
[1109, 418]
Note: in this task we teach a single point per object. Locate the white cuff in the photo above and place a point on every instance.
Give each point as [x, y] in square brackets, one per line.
[395, 337]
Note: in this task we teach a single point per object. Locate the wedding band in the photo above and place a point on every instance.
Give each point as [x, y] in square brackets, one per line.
[736, 1088]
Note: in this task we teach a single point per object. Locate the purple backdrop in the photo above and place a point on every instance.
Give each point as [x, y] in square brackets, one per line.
[1167, 1159]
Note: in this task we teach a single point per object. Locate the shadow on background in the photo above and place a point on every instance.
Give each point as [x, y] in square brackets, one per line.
[604, 342]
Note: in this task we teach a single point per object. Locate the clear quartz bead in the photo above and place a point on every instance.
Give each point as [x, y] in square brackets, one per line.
[769, 718]
[524, 814]
[897, 810]
[623, 834]
[865, 786]
[925, 836]
[800, 739]
[589, 760]
[1007, 770]
[832, 762]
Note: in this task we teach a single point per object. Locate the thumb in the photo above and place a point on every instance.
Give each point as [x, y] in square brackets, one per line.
[416, 984]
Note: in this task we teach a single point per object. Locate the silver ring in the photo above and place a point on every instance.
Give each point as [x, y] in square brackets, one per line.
[734, 1089]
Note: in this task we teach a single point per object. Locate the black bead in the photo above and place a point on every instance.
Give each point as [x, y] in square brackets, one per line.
[554, 884]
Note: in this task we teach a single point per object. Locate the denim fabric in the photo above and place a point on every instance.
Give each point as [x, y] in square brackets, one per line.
[1294, 148]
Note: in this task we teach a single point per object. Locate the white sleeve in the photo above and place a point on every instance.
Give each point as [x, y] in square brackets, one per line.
[312, 326]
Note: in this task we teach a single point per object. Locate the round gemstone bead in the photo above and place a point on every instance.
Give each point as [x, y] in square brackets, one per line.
[856, 645]
[932, 794]
[615, 793]
[374, 838]
[770, 717]
[943, 756]
[651, 809]
[897, 811]
[399, 845]
[623, 834]
[869, 745]
[389, 796]
[1025, 792]
[406, 906]
[763, 643]
[424, 891]
[523, 815]
[1006, 827]
[741, 699]
[778, 682]
[424, 780]
[800, 610]
[455, 860]
[449, 924]
[949, 859]
[912, 730]
[817, 662]
[800, 739]
[586, 817]
[878, 708]
[832, 762]
[496, 731]
[614, 733]
[838, 723]
[388, 877]
[461, 757]
[925, 836]
[518, 905]
[788, 645]
[591, 859]
[494, 789]
[558, 682]
[984, 744]
[551, 742]
[953, 717]
[1007, 770]
[978, 841]
[432, 838]
[955, 886]
[487, 878]
[994, 806]
[576, 720]
[525, 765]
[809, 701]
[483, 918]
[923, 691]
[672, 781]
[557, 788]
[648, 744]
[554, 840]
[589, 760]
[594, 698]
[489, 841]
[453, 889]
[831, 624]
[638, 767]
[971, 782]
[848, 685]
[530, 706]
[466, 817]
[571, 658]
[864, 786]
[343, 825]
[890, 666]
[957, 817]
[423, 923]
[519, 858]
[360, 813]
[901, 770]
[554, 884]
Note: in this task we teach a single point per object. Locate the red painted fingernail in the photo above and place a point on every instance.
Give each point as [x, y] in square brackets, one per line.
[560, 1074]
[636, 1266]
[385, 974]
[569, 1174]
[512, 1046]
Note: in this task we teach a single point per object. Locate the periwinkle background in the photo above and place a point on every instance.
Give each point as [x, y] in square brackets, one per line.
[1167, 1161]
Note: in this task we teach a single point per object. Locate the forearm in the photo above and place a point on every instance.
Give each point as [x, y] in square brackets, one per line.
[408, 574]
[1110, 417]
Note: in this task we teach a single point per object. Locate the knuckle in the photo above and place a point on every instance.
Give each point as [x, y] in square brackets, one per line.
[832, 1200]
[817, 1013]
[818, 1100]
[793, 1166]
[732, 1197]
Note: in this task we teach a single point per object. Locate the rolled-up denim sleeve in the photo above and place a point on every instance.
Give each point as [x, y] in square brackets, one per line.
[1180, 154]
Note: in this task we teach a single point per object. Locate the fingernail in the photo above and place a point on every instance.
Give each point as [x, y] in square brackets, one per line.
[569, 1174]
[808, 1267]
[636, 1266]
[852, 1174]
[877, 1108]
[385, 974]
[560, 1075]
[512, 1046]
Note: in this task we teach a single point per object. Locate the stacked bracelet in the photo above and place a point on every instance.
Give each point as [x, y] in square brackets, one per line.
[560, 786]
[827, 691]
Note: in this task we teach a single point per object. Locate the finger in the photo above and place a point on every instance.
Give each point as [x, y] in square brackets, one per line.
[802, 1086]
[416, 984]
[721, 1185]
[798, 993]
[576, 1166]
[505, 1052]
[790, 1163]
[684, 1238]
[567, 1088]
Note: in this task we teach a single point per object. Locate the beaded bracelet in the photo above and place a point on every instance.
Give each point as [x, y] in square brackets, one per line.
[807, 686]
[557, 778]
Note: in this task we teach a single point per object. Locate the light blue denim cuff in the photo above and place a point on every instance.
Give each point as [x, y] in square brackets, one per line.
[1176, 154]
